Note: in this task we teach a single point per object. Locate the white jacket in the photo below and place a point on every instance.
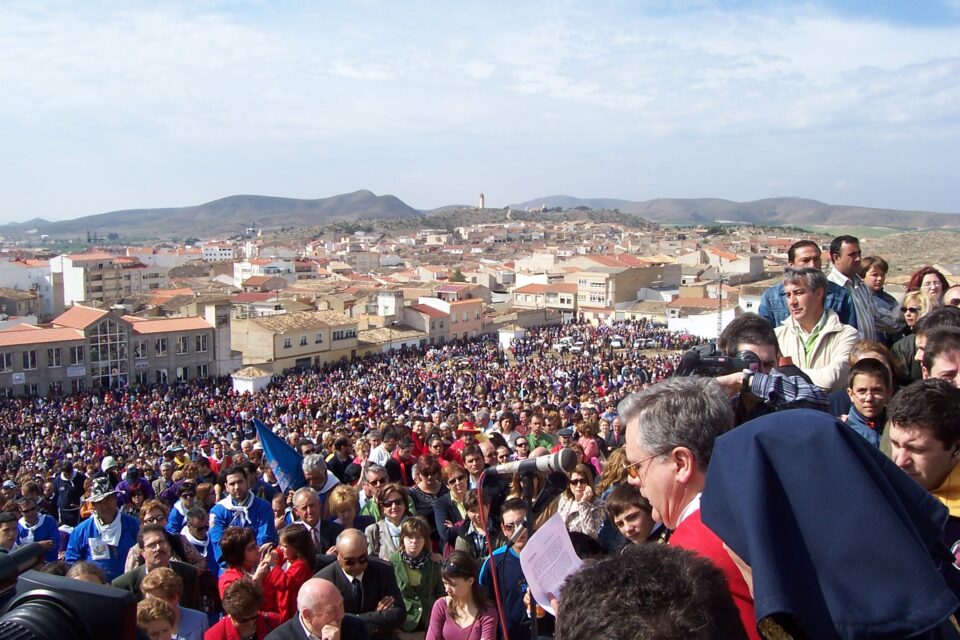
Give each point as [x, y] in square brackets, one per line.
[827, 365]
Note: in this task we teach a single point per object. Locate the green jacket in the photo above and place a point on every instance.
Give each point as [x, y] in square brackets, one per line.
[418, 600]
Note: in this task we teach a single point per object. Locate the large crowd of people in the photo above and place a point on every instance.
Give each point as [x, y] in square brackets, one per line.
[830, 510]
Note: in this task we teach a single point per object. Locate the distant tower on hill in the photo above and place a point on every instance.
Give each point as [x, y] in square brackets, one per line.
[480, 202]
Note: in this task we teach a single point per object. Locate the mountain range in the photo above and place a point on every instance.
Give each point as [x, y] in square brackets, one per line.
[233, 214]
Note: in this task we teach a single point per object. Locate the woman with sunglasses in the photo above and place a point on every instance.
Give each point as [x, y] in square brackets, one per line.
[464, 613]
[383, 538]
[425, 493]
[437, 448]
[449, 510]
[578, 506]
[244, 620]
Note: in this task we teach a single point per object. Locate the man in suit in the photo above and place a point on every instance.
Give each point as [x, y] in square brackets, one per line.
[156, 553]
[368, 586]
[320, 615]
[671, 427]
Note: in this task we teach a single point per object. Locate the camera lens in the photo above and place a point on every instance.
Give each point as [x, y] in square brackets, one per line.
[39, 619]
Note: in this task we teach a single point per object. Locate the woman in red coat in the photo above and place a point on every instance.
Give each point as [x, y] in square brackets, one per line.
[244, 620]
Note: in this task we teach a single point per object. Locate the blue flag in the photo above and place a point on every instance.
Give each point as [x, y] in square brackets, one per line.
[282, 458]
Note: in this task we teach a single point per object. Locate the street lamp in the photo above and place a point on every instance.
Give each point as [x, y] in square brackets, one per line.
[393, 324]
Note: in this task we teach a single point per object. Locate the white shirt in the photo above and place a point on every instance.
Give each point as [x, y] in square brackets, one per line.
[692, 507]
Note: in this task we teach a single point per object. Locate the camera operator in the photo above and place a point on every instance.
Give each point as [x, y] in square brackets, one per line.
[768, 387]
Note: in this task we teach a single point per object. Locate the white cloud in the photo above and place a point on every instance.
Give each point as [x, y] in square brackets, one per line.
[406, 80]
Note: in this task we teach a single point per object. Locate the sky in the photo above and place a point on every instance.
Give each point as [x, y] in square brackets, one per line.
[117, 105]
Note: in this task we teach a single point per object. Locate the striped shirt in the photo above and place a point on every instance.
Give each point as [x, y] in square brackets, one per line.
[870, 318]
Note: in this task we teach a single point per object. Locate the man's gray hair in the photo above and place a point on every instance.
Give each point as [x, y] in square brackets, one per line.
[313, 462]
[373, 467]
[305, 491]
[810, 277]
[686, 412]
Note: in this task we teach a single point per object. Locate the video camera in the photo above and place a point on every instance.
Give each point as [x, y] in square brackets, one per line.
[707, 360]
[40, 606]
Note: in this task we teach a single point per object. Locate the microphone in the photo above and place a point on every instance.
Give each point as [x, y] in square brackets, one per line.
[563, 460]
[557, 482]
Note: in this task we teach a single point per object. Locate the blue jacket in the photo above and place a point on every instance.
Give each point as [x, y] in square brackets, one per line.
[78, 548]
[46, 529]
[259, 518]
[177, 519]
[870, 432]
[773, 304]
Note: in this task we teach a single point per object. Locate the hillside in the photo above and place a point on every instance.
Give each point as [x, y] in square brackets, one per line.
[225, 216]
[770, 211]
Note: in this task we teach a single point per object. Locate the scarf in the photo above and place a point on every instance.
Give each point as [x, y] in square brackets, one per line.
[418, 563]
[393, 530]
[241, 512]
[949, 492]
[28, 538]
[109, 533]
[180, 508]
[202, 546]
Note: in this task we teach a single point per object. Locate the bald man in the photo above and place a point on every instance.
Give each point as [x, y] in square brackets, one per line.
[367, 585]
[320, 615]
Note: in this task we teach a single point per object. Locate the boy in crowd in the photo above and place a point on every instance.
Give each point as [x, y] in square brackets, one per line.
[630, 513]
[870, 387]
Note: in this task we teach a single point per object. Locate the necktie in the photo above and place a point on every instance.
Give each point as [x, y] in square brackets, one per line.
[358, 594]
[316, 539]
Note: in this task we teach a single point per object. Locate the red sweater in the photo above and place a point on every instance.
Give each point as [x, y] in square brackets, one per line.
[224, 630]
[694, 536]
[229, 576]
[285, 585]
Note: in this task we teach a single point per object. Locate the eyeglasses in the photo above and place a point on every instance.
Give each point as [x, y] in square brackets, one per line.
[522, 443]
[450, 567]
[188, 495]
[154, 519]
[386, 504]
[633, 470]
[429, 474]
[350, 562]
[914, 309]
[512, 526]
[30, 510]
[204, 527]
[456, 480]
[578, 481]
[159, 544]
[377, 482]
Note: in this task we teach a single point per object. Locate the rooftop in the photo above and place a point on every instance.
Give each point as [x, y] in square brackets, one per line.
[79, 317]
[39, 336]
[146, 326]
[288, 322]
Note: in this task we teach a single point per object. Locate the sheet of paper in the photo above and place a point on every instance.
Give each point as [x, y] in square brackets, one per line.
[547, 559]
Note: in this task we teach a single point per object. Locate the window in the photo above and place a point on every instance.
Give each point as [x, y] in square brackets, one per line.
[6, 362]
[182, 344]
[56, 388]
[344, 334]
[140, 349]
[54, 357]
[160, 347]
[78, 386]
[319, 338]
[161, 376]
[76, 355]
[29, 360]
[142, 377]
[287, 343]
[31, 389]
[182, 374]
[202, 371]
[303, 341]
[202, 343]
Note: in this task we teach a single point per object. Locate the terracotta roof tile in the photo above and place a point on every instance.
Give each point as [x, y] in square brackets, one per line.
[79, 317]
[40, 336]
[168, 325]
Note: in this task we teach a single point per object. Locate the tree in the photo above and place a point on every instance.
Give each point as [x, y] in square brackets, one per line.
[458, 276]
